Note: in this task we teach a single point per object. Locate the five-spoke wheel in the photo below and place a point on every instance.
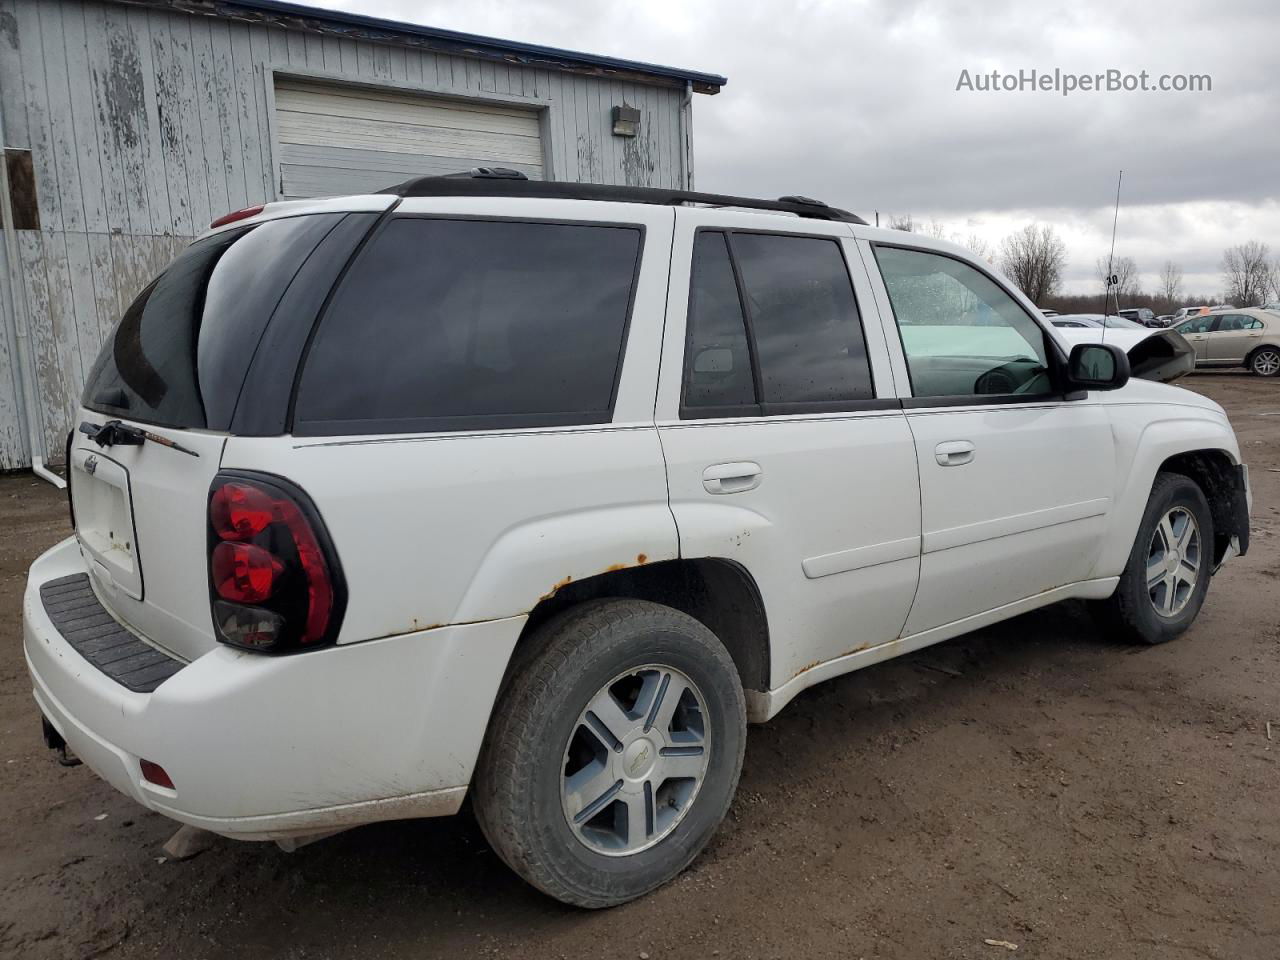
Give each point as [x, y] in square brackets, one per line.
[1167, 573]
[635, 760]
[613, 753]
[1173, 562]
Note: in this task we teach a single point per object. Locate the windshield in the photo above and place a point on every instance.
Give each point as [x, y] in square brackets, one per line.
[178, 355]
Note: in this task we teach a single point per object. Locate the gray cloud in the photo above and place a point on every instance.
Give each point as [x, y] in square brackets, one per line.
[855, 102]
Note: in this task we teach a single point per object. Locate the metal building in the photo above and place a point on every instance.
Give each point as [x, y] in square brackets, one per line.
[128, 125]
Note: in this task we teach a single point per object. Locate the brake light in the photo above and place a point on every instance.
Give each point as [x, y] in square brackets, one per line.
[274, 580]
[235, 215]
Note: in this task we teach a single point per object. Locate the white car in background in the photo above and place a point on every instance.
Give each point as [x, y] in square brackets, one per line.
[1097, 321]
[541, 491]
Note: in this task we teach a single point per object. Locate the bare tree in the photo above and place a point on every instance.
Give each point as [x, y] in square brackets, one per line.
[1246, 273]
[904, 223]
[1034, 258]
[1170, 282]
[977, 246]
[1125, 270]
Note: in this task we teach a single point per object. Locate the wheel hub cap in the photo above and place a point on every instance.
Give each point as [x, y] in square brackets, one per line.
[1173, 562]
[635, 760]
[638, 759]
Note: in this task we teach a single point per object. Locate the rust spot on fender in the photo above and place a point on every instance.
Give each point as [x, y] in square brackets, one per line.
[556, 588]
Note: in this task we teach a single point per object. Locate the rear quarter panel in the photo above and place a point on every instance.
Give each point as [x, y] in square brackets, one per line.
[446, 528]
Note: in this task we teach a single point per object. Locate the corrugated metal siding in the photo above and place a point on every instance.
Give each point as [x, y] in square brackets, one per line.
[339, 138]
[146, 124]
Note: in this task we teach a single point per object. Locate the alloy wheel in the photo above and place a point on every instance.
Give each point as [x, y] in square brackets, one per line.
[635, 760]
[1266, 363]
[1173, 562]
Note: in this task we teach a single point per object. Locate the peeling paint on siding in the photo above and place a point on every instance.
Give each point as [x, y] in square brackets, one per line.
[145, 123]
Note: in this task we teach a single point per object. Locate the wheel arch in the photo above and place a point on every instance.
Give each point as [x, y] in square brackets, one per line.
[1194, 444]
[721, 594]
[1216, 473]
[1248, 360]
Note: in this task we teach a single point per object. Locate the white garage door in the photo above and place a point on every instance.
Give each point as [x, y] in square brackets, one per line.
[335, 139]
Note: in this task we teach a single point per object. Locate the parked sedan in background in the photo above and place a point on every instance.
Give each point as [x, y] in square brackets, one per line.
[1110, 321]
[1247, 337]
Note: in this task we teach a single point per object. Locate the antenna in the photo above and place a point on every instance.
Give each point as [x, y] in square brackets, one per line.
[1110, 285]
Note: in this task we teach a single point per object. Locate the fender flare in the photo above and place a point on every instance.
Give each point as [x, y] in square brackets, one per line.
[1153, 445]
[532, 561]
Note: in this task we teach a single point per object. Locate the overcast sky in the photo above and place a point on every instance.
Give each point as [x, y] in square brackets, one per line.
[855, 102]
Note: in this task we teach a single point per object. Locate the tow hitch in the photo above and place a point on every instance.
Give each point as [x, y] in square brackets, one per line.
[53, 740]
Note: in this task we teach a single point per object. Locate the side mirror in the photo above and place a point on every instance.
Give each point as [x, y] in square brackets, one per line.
[1097, 366]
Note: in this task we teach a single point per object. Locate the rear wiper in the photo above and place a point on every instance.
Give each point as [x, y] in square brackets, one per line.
[114, 432]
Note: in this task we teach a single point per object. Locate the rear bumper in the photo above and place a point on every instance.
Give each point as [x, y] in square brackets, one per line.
[262, 748]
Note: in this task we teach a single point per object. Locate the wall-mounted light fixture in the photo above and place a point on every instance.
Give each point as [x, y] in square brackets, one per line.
[626, 121]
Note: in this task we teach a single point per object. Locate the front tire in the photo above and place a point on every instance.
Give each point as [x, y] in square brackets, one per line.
[614, 752]
[1167, 576]
[1265, 362]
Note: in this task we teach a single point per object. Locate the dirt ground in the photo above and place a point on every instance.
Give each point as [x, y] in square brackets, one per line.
[1029, 783]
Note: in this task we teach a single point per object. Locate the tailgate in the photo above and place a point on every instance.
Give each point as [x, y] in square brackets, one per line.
[141, 521]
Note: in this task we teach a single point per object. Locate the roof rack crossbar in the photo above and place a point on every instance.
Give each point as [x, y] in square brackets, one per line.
[489, 182]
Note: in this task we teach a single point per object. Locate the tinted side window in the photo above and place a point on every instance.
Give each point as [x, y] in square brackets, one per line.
[717, 359]
[804, 320]
[961, 333]
[178, 355]
[471, 324]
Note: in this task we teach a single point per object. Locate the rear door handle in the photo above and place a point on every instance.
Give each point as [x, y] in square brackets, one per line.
[953, 453]
[731, 477]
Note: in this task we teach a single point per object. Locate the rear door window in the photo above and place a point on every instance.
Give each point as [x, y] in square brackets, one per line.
[178, 355]
[718, 375]
[473, 324]
[773, 328]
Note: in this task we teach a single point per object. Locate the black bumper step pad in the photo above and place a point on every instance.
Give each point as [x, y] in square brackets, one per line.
[97, 636]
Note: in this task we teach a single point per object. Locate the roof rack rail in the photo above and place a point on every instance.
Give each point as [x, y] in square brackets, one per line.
[504, 182]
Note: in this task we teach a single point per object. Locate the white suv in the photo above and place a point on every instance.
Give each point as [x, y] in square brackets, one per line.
[543, 491]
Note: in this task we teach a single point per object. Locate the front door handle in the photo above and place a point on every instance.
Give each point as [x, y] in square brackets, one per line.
[953, 453]
[731, 477]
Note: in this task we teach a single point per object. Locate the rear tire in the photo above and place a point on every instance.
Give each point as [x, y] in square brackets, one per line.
[1265, 362]
[596, 784]
[1167, 576]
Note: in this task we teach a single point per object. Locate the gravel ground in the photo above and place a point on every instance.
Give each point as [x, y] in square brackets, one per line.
[1029, 783]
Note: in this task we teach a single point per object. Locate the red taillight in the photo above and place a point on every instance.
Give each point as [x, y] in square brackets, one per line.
[239, 511]
[154, 773]
[244, 573]
[273, 576]
[235, 215]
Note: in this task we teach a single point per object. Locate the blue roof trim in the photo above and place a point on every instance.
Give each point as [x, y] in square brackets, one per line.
[524, 50]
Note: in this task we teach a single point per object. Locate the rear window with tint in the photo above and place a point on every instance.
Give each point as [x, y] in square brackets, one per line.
[472, 324]
[178, 355]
